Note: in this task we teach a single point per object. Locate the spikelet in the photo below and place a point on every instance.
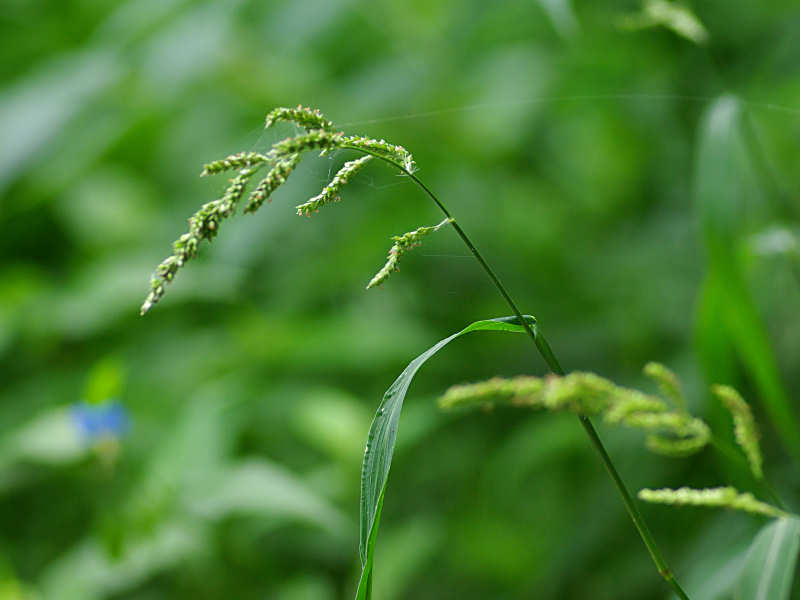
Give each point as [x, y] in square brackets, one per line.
[395, 153]
[670, 432]
[275, 178]
[402, 244]
[234, 161]
[699, 435]
[203, 225]
[330, 193]
[305, 117]
[721, 497]
[316, 139]
[520, 391]
[667, 382]
[744, 426]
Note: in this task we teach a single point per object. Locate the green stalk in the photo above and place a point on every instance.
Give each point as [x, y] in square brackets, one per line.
[552, 362]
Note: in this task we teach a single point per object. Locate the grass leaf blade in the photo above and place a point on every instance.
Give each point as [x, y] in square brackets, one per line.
[383, 434]
[769, 567]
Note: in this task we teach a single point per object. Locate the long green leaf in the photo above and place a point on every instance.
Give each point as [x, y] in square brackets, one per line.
[730, 329]
[769, 567]
[381, 441]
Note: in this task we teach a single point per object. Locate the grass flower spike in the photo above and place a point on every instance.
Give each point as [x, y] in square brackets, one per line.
[667, 382]
[276, 177]
[721, 497]
[396, 154]
[203, 225]
[234, 161]
[282, 159]
[304, 117]
[330, 193]
[669, 431]
[744, 426]
[402, 244]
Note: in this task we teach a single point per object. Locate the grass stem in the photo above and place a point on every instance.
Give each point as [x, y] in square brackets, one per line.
[552, 362]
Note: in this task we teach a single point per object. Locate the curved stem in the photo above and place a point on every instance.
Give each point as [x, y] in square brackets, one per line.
[552, 362]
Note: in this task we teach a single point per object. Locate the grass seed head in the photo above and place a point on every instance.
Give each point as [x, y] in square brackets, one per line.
[744, 426]
[719, 497]
[304, 117]
[330, 193]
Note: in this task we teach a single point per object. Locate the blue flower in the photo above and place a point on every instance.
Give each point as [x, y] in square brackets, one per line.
[96, 421]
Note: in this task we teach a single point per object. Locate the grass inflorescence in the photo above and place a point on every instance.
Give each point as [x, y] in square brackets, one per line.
[670, 431]
[719, 497]
[282, 159]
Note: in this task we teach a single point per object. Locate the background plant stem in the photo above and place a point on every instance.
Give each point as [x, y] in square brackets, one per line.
[552, 362]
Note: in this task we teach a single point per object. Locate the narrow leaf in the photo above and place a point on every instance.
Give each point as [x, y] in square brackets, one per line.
[769, 567]
[382, 436]
[731, 332]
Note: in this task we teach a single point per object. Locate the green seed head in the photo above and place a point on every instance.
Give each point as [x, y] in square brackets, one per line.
[402, 244]
[330, 193]
[744, 426]
[304, 117]
[282, 159]
[720, 497]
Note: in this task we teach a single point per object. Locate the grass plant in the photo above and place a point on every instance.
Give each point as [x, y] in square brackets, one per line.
[669, 427]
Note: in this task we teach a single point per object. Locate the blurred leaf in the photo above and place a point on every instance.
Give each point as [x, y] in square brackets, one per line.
[334, 422]
[729, 320]
[407, 550]
[710, 567]
[307, 588]
[776, 241]
[51, 438]
[257, 487]
[562, 16]
[36, 109]
[87, 572]
[105, 381]
[381, 441]
[675, 17]
[770, 563]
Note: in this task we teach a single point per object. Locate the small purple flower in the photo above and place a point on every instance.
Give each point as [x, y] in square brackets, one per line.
[95, 421]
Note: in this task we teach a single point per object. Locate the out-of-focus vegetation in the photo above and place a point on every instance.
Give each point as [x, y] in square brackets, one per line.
[634, 184]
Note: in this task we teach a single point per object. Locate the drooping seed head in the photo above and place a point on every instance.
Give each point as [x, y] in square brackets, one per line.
[744, 426]
[330, 193]
[234, 161]
[720, 497]
[283, 158]
[203, 225]
[671, 432]
[402, 244]
[276, 177]
[396, 153]
[316, 139]
[303, 116]
[667, 381]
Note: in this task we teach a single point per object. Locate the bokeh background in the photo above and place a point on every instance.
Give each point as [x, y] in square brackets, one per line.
[631, 176]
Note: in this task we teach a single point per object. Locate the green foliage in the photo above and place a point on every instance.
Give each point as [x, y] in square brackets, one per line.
[680, 19]
[770, 563]
[383, 436]
[730, 331]
[567, 148]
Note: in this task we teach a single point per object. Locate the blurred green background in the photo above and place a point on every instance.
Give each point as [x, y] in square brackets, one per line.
[635, 188]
